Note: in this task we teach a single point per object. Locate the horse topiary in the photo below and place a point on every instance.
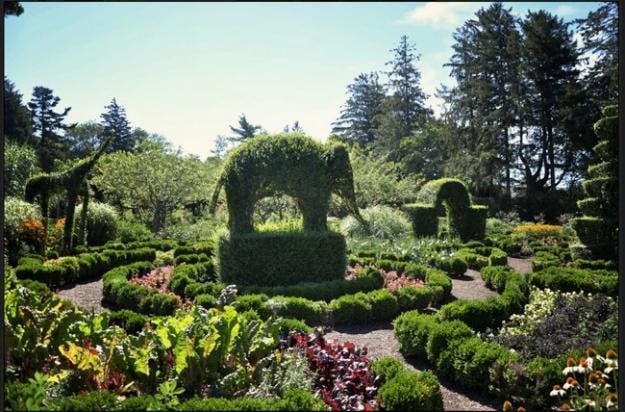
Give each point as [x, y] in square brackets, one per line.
[451, 197]
[73, 182]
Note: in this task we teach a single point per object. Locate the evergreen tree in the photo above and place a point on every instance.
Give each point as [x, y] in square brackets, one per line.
[245, 131]
[599, 31]
[17, 120]
[221, 146]
[85, 138]
[361, 112]
[115, 122]
[48, 125]
[549, 58]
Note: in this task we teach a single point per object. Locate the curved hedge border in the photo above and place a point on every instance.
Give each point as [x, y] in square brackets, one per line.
[489, 313]
[162, 245]
[125, 295]
[574, 279]
[70, 269]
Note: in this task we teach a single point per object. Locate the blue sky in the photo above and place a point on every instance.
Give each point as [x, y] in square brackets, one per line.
[188, 70]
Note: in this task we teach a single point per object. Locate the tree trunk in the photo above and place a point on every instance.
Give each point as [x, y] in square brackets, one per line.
[507, 154]
[82, 236]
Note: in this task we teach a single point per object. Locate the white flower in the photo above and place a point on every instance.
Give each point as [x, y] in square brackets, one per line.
[557, 392]
[589, 402]
[569, 369]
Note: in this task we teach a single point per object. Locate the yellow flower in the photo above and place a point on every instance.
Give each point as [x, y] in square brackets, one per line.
[507, 406]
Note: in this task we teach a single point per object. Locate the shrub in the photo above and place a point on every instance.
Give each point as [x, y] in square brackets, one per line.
[369, 279]
[539, 229]
[495, 277]
[386, 368]
[141, 403]
[489, 313]
[132, 322]
[292, 400]
[383, 305]
[91, 401]
[412, 331]
[311, 312]
[436, 278]
[412, 391]
[409, 297]
[383, 222]
[572, 279]
[101, 223]
[544, 259]
[17, 211]
[287, 325]
[132, 231]
[455, 266]
[190, 258]
[473, 259]
[351, 309]
[424, 219]
[205, 300]
[497, 257]
[595, 264]
[272, 259]
[441, 334]
[473, 363]
[250, 302]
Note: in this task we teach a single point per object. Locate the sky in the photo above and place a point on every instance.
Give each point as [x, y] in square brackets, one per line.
[189, 70]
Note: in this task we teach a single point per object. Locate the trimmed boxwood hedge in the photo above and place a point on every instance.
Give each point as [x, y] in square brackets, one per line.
[574, 280]
[122, 294]
[70, 269]
[411, 391]
[281, 258]
[489, 313]
[370, 279]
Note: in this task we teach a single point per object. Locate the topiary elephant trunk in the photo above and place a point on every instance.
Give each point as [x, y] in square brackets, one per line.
[293, 164]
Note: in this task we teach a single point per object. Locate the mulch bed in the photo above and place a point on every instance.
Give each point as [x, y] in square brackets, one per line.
[86, 295]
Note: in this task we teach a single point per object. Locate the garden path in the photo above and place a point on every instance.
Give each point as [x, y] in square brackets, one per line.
[86, 295]
[522, 266]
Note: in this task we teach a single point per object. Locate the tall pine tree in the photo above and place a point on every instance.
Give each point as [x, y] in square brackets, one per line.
[116, 123]
[245, 131]
[359, 117]
[49, 126]
[17, 120]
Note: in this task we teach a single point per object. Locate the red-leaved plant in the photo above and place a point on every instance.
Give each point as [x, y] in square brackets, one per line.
[344, 380]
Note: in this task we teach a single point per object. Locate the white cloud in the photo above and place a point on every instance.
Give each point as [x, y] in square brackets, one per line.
[441, 15]
[565, 10]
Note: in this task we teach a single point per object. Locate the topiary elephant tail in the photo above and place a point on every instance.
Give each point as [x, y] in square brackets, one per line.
[218, 186]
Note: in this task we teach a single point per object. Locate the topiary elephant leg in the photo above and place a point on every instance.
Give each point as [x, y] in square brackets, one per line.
[82, 235]
[315, 215]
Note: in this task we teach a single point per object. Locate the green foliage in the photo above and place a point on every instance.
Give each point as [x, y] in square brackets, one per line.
[153, 179]
[597, 229]
[191, 258]
[311, 312]
[412, 330]
[475, 363]
[441, 334]
[130, 230]
[573, 279]
[17, 211]
[464, 220]
[293, 400]
[412, 391]
[495, 277]
[409, 297]
[248, 302]
[489, 313]
[101, 222]
[20, 163]
[92, 401]
[274, 258]
[293, 164]
[141, 403]
[132, 322]
[386, 368]
[383, 222]
[287, 325]
[369, 279]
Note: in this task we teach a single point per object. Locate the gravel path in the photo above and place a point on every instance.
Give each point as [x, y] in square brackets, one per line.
[86, 295]
[470, 286]
[522, 266]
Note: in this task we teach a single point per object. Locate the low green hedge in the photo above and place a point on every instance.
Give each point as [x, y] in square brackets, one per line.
[281, 258]
[206, 248]
[122, 294]
[489, 313]
[129, 320]
[162, 245]
[190, 280]
[86, 266]
[411, 391]
[595, 264]
[370, 279]
[191, 258]
[310, 311]
[424, 219]
[543, 259]
[573, 280]
[495, 277]
[454, 265]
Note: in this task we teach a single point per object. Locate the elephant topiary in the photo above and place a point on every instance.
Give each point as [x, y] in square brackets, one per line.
[289, 163]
